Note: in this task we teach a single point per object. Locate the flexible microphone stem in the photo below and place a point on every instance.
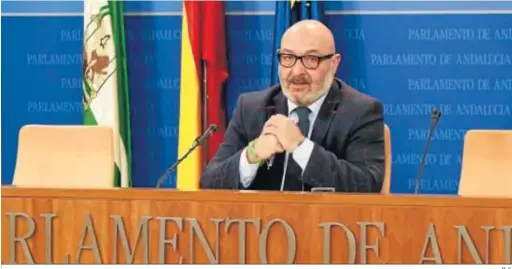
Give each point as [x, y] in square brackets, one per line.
[420, 170]
[197, 142]
[170, 169]
[436, 114]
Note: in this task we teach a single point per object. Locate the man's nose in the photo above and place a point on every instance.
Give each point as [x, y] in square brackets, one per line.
[298, 68]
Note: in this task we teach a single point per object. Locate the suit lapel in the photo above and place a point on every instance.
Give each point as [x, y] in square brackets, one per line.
[327, 112]
[276, 105]
[281, 106]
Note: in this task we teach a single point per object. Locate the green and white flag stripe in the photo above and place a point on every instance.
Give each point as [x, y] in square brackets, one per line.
[105, 79]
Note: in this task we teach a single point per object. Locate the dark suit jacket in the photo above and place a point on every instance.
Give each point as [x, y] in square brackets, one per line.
[348, 134]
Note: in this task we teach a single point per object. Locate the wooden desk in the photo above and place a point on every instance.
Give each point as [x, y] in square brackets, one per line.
[104, 226]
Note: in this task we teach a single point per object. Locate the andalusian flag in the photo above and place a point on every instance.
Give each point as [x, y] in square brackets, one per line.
[203, 40]
[288, 13]
[105, 81]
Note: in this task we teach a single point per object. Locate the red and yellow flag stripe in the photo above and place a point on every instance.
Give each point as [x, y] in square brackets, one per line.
[189, 171]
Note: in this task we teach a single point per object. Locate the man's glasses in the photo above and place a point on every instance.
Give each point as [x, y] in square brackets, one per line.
[308, 61]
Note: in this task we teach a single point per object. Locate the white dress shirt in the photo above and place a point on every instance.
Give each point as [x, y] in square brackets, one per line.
[301, 154]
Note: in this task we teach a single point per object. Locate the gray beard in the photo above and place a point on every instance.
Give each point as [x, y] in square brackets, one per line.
[326, 86]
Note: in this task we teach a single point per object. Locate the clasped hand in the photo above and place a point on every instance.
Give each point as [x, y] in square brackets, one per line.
[279, 134]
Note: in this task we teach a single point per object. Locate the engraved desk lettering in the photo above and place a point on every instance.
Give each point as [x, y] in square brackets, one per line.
[364, 230]
[463, 236]
[120, 231]
[242, 234]
[195, 229]
[134, 241]
[48, 236]
[292, 242]
[507, 234]
[327, 241]
[431, 237]
[31, 227]
[162, 241]
[89, 231]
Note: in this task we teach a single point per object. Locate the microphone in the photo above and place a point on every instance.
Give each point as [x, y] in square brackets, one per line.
[295, 119]
[436, 114]
[197, 142]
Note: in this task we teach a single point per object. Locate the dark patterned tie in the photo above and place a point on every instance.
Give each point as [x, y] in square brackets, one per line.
[293, 171]
[303, 113]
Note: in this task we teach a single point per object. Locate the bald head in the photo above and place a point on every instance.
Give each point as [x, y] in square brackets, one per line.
[310, 32]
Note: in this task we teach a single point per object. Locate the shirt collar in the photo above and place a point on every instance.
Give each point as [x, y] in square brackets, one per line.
[314, 107]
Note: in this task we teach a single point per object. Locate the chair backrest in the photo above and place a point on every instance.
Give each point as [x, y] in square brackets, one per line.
[487, 164]
[63, 156]
[386, 185]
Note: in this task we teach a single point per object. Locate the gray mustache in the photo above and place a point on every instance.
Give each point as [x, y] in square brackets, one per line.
[299, 80]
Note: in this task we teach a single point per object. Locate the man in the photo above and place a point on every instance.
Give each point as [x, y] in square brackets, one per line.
[310, 131]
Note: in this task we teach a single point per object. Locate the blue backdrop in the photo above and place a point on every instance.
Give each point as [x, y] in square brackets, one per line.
[413, 56]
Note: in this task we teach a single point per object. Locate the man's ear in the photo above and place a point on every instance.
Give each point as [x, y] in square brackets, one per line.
[336, 59]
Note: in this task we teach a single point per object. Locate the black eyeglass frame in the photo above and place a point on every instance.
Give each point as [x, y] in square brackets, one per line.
[320, 59]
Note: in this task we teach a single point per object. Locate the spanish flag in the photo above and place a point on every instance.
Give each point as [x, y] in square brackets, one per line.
[288, 13]
[203, 40]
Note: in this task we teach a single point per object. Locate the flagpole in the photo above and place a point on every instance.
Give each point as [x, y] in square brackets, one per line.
[204, 87]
